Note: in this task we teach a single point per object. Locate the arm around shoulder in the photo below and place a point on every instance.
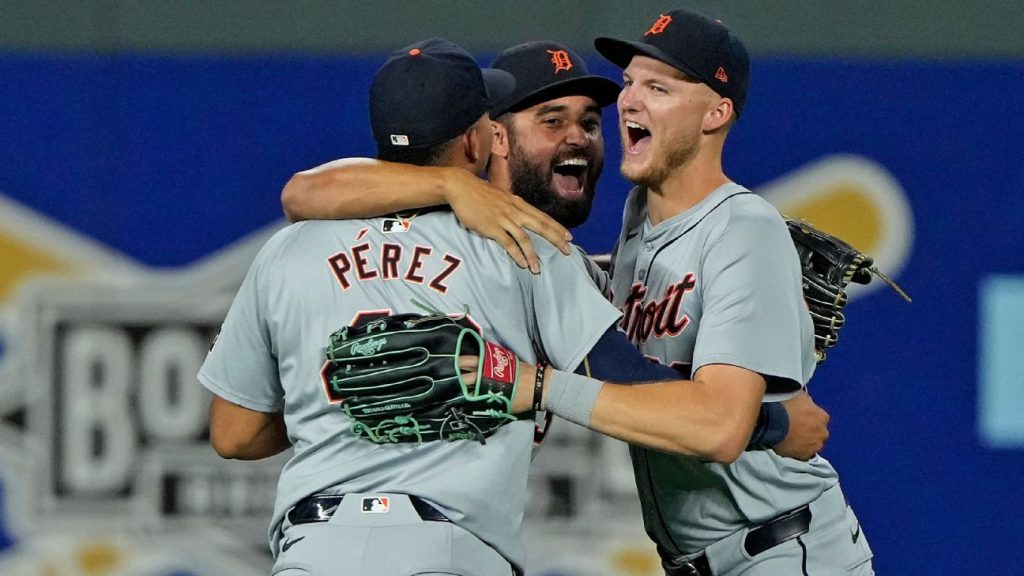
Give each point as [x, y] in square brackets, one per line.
[362, 188]
[710, 417]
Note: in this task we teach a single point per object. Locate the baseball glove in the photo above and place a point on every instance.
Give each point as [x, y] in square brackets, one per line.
[399, 379]
[829, 265]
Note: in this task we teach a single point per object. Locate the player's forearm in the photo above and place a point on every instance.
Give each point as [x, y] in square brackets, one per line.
[271, 440]
[710, 419]
[240, 434]
[682, 417]
[362, 188]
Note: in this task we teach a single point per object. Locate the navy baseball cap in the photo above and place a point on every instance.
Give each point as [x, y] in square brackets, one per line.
[547, 70]
[699, 47]
[429, 93]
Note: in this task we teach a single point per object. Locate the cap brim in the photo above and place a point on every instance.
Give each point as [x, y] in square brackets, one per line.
[603, 90]
[621, 52]
[499, 84]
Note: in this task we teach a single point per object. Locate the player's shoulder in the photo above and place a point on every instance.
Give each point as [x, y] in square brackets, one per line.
[297, 241]
[747, 213]
[278, 241]
[545, 250]
[288, 235]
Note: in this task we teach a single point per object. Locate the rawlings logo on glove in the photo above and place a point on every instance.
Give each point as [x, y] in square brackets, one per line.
[369, 347]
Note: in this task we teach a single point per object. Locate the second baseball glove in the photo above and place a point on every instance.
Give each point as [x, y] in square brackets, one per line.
[829, 265]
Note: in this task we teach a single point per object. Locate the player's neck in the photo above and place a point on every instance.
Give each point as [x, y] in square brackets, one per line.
[498, 174]
[684, 188]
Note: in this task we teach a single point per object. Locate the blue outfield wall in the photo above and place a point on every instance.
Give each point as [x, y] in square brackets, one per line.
[168, 159]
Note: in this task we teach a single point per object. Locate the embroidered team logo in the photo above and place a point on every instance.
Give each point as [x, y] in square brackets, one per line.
[376, 504]
[394, 225]
[561, 60]
[659, 25]
[643, 318]
[721, 76]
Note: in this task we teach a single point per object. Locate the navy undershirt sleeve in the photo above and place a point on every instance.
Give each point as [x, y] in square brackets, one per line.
[614, 359]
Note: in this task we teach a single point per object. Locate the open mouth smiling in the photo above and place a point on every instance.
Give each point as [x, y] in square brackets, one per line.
[638, 137]
[570, 176]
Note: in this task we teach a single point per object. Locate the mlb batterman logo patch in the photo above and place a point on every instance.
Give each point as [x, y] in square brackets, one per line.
[399, 140]
[393, 225]
[376, 504]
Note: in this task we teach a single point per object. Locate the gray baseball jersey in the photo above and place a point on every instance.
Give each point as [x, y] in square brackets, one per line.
[601, 278]
[314, 277]
[717, 284]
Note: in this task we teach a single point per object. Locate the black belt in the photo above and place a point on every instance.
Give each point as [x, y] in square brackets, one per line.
[320, 508]
[759, 539]
[778, 530]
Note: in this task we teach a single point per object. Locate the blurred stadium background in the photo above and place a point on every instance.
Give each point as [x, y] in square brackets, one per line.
[143, 145]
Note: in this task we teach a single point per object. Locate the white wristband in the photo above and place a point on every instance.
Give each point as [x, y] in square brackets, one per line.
[572, 396]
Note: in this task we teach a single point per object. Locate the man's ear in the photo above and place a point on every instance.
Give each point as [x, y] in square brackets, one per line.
[473, 145]
[719, 116]
[501, 145]
[478, 143]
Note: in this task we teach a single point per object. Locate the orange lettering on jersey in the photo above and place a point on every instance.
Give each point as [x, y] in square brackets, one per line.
[641, 320]
[659, 25]
[561, 60]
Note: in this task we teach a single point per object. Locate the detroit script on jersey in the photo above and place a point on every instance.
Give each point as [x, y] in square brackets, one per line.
[662, 317]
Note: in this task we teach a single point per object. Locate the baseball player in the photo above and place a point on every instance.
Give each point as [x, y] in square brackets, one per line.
[549, 151]
[345, 505]
[693, 237]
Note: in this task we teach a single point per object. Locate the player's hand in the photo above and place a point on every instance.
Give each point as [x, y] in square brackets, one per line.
[526, 376]
[503, 217]
[808, 428]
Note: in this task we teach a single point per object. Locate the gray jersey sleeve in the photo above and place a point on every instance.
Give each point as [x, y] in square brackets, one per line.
[571, 313]
[599, 276]
[752, 302]
[241, 366]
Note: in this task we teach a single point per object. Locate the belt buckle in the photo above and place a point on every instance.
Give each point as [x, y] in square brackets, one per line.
[682, 568]
[689, 570]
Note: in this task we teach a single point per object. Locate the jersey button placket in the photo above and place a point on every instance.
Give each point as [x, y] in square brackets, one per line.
[644, 260]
